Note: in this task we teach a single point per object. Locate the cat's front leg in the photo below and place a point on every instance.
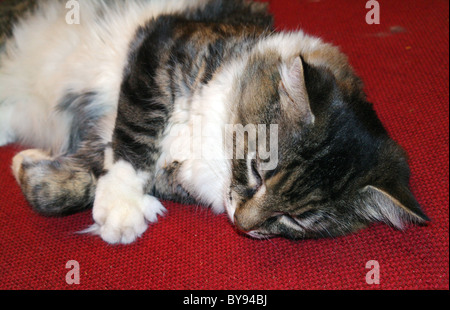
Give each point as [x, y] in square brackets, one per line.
[122, 208]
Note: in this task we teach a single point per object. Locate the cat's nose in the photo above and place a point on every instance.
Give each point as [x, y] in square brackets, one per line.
[249, 216]
[242, 224]
[239, 225]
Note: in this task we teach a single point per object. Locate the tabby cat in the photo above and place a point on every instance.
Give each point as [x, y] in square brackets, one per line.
[100, 101]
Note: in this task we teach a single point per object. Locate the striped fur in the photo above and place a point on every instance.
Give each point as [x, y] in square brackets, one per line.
[104, 99]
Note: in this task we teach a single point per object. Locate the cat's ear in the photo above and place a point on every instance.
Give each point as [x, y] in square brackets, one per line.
[396, 207]
[293, 93]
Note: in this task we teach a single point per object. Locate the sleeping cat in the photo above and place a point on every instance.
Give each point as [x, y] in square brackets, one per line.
[101, 101]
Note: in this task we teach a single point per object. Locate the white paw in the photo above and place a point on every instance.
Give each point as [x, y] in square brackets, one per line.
[121, 209]
[30, 156]
[123, 221]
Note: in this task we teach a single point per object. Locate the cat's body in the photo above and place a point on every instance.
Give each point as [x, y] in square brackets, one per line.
[103, 100]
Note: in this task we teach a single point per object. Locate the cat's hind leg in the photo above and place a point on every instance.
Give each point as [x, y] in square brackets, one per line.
[54, 187]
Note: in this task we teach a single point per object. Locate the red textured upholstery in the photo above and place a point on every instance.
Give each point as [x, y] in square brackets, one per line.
[404, 62]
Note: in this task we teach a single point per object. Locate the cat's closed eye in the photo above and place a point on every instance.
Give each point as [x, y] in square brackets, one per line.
[328, 157]
[307, 214]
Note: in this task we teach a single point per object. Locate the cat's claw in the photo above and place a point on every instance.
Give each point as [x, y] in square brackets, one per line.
[152, 207]
[125, 223]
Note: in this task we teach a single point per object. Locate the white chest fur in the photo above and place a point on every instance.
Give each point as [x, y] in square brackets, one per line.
[195, 138]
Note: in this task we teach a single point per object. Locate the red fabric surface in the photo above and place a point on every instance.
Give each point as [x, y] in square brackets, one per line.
[406, 76]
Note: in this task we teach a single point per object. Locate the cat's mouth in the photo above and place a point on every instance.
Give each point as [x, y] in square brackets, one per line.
[279, 225]
[230, 207]
[256, 234]
[263, 225]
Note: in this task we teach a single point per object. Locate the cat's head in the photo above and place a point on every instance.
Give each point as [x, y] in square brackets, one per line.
[337, 169]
